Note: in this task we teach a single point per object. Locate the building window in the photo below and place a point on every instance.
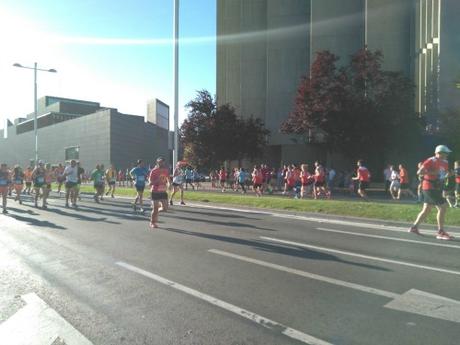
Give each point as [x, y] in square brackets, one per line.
[72, 153]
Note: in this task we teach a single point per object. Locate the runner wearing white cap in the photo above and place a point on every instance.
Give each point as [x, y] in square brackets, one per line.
[434, 170]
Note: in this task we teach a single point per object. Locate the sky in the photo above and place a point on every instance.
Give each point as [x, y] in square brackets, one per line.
[118, 53]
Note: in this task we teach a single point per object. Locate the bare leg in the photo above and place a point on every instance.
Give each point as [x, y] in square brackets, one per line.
[422, 215]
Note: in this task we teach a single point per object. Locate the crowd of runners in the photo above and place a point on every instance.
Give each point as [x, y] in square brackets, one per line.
[438, 185]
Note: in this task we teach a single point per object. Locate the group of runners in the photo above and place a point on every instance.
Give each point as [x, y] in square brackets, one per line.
[296, 180]
[434, 175]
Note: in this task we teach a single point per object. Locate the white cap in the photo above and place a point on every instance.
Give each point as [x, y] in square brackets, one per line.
[442, 149]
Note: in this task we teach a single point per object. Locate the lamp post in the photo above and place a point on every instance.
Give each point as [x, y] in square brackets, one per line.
[35, 68]
[176, 82]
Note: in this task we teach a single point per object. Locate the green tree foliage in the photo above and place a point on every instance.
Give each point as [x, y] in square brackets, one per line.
[214, 134]
[363, 110]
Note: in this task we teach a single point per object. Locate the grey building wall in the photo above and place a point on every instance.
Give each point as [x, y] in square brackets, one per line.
[131, 139]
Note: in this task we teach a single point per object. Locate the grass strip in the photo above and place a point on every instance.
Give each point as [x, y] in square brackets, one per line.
[372, 209]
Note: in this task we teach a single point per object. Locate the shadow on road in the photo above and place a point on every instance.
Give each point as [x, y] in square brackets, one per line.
[221, 213]
[278, 249]
[35, 222]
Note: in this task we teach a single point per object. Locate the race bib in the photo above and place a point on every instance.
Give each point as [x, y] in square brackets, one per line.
[140, 179]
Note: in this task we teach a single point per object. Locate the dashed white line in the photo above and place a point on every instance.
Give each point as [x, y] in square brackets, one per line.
[368, 257]
[263, 321]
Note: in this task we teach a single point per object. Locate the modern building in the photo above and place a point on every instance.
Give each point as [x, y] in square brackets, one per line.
[82, 130]
[264, 47]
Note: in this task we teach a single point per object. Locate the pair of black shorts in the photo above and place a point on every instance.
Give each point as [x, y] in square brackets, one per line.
[140, 188]
[28, 184]
[433, 197]
[70, 185]
[257, 185]
[320, 183]
[157, 196]
[363, 185]
[188, 180]
[99, 185]
[112, 183]
[404, 186]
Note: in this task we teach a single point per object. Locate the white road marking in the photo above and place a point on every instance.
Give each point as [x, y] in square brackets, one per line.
[356, 224]
[368, 257]
[38, 324]
[412, 301]
[307, 274]
[389, 238]
[265, 322]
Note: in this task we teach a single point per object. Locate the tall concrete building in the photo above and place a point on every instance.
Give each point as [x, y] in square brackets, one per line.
[82, 130]
[264, 47]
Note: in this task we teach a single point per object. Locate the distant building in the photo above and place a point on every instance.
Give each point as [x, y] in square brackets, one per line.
[82, 130]
[264, 47]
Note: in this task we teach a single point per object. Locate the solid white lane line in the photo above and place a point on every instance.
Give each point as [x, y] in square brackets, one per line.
[389, 238]
[368, 257]
[262, 321]
[356, 224]
[307, 274]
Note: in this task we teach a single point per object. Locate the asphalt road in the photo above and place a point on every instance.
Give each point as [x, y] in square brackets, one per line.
[211, 275]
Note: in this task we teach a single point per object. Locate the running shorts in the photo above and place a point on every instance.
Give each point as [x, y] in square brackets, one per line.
[140, 188]
[257, 185]
[433, 197]
[404, 186]
[70, 185]
[363, 185]
[99, 185]
[28, 184]
[38, 185]
[156, 196]
[188, 180]
[176, 184]
[320, 183]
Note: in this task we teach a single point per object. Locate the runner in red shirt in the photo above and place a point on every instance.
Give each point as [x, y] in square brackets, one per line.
[306, 179]
[363, 176]
[257, 180]
[404, 183]
[159, 180]
[320, 181]
[434, 171]
[457, 182]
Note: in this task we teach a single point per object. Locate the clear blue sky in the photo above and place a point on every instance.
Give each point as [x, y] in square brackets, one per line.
[115, 52]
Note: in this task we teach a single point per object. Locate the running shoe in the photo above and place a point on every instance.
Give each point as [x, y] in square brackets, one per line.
[44, 207]
[171, 202]
[134, 207]
[66, 205]
[153, 225]
[5, 211]
[182, 203]
[414, 230]
[442, 235]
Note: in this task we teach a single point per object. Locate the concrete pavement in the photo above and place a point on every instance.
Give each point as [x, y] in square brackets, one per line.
[224, 276]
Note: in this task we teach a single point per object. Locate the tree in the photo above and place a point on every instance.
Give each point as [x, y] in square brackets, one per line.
[362, 109]
[214, 134]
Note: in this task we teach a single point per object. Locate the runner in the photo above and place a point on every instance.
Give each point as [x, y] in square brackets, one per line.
[395, 185]
[18, 182]
[139, 175]
[71, 183]
[320, 181]
[4, 183]
[257, 180]
[222, 178]
[97, 176]
[434, 172]
[49, 175]
[80, 173]
[111, 178]
[159, 179]
[242, 178]
[419, 187]
[121, 178]
[189, 177]
[404, 181]
[28, 180]
[178, 184]
[38, 176]
[448, 189]
[59, 178]
[306, 180]
[457, 183]
[363, 177]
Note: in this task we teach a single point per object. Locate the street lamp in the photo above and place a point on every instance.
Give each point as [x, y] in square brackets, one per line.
[35, 68]
[176, 82]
